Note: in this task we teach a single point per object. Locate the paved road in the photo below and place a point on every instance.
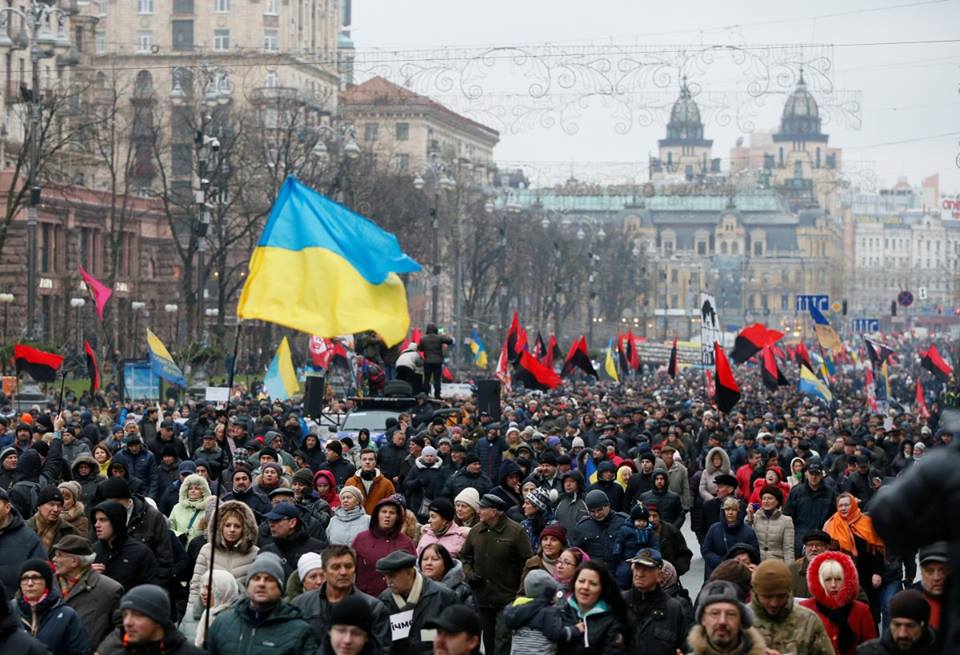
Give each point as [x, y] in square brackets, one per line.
[692, 580]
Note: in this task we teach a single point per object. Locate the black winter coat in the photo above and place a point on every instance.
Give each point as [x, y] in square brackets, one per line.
[604, 634]
[174, 643]
[669, 504]
[58, 626]
[424, 483]
[673, 548]
[148, 526]
[886, 646]
[317, 611]
[597, 538]
[18, 543]
[127, 560]
[460, 480]
[809, 510]
[656, 620]
[291, 548]
[434, 598]
[14, 640]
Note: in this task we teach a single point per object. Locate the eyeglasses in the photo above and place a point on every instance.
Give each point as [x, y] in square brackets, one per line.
[32, 578]
[566, 562]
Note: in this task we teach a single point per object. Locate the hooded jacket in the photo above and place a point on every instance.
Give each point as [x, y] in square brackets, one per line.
[462, 479]
[843, 609]
[720, 538]
[424, 483]
[774, 534]
[292, 547]
[89, 482]
[666, 501]
[147, 525]
[186, 514]
[598, 538]
[380, 488]
[54, 624]
[572, 507]
[142, 466]
[452, 539]
[127, 561]
[18, 543]
[12, 637]
[281, 631]
[512, 498]
[236, 558]
[374, 544]
[708, 484]
[454, 581]
[345, 525]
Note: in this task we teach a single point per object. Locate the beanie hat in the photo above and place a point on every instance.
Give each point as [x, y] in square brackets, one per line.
[112, 488]
[555, 530]
[269, 564]
[429, 451]
[356, 491]
[577, 442]
[309, 561]
[304, 477]
[73, 487]
[910, 604]
[187, 466]
[638, 511]
[470, 458]
[772, 577]
[721, 591]
[270, 452]
[537, 583]
[335, 446]
[443, 507]
[773, 491]
[49, 494]
[41, 567]
[469, 496]
[354, 611]
[734, 571]
[595, 499]
[150, 600]
[540, 499]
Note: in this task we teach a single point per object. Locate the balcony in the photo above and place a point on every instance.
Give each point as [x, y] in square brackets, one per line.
[274, 94]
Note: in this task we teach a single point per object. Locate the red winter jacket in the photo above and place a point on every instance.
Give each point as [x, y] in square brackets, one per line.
[374, 544]
[859, 619]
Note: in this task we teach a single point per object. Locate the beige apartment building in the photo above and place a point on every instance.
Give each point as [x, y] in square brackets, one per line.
[403, 129]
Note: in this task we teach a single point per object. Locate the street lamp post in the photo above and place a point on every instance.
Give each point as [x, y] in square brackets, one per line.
[346, 149]
[171, 311]
[78, 303]
[437, 168]
[136, 306]
[43, 44]
[6, 299]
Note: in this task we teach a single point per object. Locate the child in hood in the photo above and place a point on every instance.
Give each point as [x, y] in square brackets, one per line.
[631, 538]
[535, 622]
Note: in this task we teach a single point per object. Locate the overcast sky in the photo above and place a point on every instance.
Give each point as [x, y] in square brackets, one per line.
[909, 91]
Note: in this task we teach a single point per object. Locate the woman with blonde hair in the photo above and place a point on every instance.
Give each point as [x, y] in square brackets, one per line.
[834, 585]
[226, 591]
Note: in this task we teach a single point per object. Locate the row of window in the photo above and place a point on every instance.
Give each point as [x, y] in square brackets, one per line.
[900, 244]
[146, 7]
[183, 39]
[372, 130]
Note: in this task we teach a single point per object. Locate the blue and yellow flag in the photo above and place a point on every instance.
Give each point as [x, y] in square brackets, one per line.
[811, 385]
[610, 363]
[162, 363]
[826, 335]
[479, 350]
[281, 378]
[323, 269]
[589, 469]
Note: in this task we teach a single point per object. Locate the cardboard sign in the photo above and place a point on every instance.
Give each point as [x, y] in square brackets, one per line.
[217, 394]
[400, 624]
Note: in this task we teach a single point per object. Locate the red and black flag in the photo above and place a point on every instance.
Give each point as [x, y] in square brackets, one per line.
[931, 360]
[727, 391]
[579, 358]
[672, 366]
[922, 410]
[93, 370]
[552, 354]
[516, 340]
[632, 355]
[42, 366]
[539, 347]
[771, 374]
[877, 352]
[622, 355]
[534, 375]
[802, 355]
[751, 340]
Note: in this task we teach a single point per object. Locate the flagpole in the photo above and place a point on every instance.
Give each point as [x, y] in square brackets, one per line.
[236, 348]
[63, 382]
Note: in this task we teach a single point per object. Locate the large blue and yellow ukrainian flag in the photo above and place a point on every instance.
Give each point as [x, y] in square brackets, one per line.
[280, 381]
[323, 269]
[811, 385]
[479, 350]
[162, 363]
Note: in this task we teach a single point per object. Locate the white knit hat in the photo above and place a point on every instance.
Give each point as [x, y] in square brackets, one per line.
[469, 496]
[308, 562]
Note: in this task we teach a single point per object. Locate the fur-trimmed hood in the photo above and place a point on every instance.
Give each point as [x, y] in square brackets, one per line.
[851, 583]
[724, 465]
[249, 538]
[193, 479]
[697, 639]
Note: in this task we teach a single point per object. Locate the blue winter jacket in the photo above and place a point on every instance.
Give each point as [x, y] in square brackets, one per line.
[720, 538]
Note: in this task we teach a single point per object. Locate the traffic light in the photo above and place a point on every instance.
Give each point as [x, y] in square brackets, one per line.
[844, 305]
[893, 308]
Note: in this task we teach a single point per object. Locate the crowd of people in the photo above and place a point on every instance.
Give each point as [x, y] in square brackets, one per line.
[562, 526]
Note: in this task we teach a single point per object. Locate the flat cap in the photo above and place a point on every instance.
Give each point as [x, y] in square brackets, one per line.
[493, 502]
[398, 560]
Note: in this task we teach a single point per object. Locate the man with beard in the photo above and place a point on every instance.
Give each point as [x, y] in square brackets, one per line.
[934, 575]
[724, 624]
[909, 632]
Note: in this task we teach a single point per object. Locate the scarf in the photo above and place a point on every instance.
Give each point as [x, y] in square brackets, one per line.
[838, 616]
[413, 597]
[857, 524]
[550, 565]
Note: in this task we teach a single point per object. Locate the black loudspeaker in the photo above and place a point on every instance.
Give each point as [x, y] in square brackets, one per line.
[488, 397]
[313, 396]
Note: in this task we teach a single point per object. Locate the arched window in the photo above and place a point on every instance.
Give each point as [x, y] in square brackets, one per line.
[143, 86]
[723, 247]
